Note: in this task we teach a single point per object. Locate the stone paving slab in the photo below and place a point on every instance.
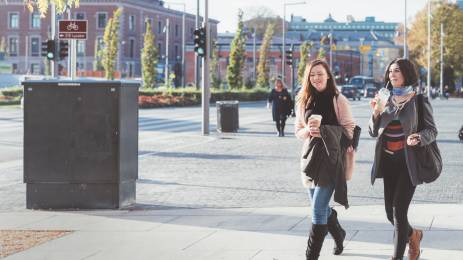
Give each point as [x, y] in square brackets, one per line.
[235, 233]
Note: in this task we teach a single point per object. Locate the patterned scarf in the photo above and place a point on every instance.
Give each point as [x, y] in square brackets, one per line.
[401, 96]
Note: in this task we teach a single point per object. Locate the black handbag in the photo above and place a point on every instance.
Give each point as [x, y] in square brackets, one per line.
[428, 158]
[356, 137]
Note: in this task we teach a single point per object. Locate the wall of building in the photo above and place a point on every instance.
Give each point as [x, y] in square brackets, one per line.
[131, 37]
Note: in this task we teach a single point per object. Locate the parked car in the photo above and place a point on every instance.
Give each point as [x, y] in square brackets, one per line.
[370, 92]
[351, 91]
[361, 81]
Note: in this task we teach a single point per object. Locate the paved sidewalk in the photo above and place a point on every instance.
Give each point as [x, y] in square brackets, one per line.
[229, 233]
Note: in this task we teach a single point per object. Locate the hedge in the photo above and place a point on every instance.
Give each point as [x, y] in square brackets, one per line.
[162, 97]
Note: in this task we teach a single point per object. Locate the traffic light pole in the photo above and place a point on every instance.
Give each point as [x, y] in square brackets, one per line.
[53, 64]
[72, 57]
[197, 58]
[205, 67]
[292, 72]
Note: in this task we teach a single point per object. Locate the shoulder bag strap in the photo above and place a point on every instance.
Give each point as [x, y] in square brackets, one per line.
[420, 111]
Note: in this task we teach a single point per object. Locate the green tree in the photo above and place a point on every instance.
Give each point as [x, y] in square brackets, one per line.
[42, 5]
[111, 39]
[97, 65]
[321, 53]
[237, 56]
[214, 66]
[262, 69]
[305, 52]
[149, 58]
[3, 45]
[452, 18]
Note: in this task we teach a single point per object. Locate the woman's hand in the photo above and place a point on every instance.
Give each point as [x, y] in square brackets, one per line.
[350, 149]
[413, 139]
[376, 105]
[314, 127]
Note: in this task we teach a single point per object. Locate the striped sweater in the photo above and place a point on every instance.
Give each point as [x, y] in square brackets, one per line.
[394, 137]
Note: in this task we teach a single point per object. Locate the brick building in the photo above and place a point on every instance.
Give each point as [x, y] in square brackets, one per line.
[24, 32]
[346, 62]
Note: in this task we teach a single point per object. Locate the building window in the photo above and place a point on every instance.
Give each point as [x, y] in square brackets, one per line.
[159, 49]
[176, 53]
[13, 46]
[159, 26]
[13, 20]
[35, 20]
[80, 48]
[80, 16]
[132, 22]
[131, 48]
[101, 20]
[35, 46]
[35, 68]
[176, 30]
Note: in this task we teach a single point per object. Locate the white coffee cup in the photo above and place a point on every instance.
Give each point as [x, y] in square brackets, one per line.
[384, 94]
[316, 117]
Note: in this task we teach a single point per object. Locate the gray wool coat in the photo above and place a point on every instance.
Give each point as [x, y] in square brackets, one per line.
[408, 117]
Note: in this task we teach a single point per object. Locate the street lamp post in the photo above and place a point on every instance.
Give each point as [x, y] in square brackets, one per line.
[428, 87]
[361, 56]
[205, 71]
[283, 49]
[442, 59]
[254, 55]
[405, 33]
[331, 49]
[166, 76]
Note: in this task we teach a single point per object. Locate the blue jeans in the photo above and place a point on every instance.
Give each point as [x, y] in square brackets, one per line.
[320, 197]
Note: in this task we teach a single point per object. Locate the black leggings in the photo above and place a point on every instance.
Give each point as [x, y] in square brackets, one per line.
[398, 193]
[281, 121]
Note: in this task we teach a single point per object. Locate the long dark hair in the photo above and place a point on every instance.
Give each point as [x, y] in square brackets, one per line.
[408, 70]
[308, 90]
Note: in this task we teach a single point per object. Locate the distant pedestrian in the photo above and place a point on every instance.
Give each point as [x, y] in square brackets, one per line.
[395, 124]
[324, 121]
[460, 133]
[281, 106]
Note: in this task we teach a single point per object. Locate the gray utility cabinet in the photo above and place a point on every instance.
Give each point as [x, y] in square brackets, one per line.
[227, 116]
[80, 144]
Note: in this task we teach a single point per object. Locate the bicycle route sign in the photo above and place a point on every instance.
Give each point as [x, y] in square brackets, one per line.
[72, 29]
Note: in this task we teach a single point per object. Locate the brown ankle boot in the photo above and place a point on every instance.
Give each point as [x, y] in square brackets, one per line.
[414, 244]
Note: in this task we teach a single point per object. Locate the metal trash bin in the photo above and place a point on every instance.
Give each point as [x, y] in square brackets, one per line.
[80, 144]
[227, 116]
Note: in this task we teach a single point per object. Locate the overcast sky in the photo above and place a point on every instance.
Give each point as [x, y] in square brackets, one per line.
[226, 11]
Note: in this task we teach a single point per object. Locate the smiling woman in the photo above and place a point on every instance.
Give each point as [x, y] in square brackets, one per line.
[397, 156]
[324, 122]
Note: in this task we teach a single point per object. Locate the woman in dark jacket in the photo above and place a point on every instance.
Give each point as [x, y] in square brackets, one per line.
[395, 124]
[325, 178]
[281, 106]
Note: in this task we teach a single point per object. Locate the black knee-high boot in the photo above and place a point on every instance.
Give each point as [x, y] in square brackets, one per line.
[315, 242]
[282, 127]
[337, 232]
[278, 127]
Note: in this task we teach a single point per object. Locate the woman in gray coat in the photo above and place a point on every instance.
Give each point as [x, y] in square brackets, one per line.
[395, 124]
